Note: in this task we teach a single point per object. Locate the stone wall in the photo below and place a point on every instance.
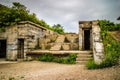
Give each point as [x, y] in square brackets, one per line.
[26, 30]
[11, 38]
[71, 37]
[70, 42]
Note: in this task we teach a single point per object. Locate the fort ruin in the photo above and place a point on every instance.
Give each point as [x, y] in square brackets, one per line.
[24, 37]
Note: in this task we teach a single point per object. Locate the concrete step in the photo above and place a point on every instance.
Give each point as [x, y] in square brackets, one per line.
[84, 56]
[81, 62]
[86, 52]
[83, 59]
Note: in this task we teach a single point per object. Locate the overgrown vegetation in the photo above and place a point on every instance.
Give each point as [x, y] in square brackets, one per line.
[106, 25]
[58, 28]
[112, 47]
[47, 57]
[18, 12]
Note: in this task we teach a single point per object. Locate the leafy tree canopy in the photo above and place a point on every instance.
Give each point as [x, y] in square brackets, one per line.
[18, 12]
[58, 28]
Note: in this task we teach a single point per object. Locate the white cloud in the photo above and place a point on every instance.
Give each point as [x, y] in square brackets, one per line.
[69, 12]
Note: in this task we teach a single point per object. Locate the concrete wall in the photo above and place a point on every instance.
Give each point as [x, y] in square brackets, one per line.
[28, 31]
[98, 47]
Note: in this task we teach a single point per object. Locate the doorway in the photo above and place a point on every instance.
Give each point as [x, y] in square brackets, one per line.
[20, 54]
[87, 39]
[3, 44]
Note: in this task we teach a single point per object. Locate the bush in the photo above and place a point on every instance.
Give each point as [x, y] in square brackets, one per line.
[91, 64]
[46, 57]
[71, 59]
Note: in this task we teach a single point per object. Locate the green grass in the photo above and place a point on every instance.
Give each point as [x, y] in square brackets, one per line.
[112, 53]
[47, 57]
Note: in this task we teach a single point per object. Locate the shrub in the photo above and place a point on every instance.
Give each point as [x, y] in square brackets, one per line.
[71, 59]
[46, 57]
[91, 64]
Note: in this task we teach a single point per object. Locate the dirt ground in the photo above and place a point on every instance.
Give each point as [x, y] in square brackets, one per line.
[35, 70]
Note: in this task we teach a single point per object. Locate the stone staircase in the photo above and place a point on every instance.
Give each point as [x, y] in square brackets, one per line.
[83, 57]
[59, 41]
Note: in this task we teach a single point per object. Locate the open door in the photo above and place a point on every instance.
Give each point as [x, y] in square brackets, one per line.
[3, 48]
[86, 39]
[20, 54]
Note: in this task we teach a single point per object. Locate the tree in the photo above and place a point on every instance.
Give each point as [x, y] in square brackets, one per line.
[18, 12]
[58, 28]
[108, 26]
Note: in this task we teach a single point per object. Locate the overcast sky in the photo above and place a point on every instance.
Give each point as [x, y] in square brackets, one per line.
[69, 12]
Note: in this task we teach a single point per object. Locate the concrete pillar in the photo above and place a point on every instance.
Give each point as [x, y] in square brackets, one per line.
[98, 47]
[80, 37]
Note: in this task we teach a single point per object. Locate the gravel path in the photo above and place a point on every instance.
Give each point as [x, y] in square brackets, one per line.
[36, 70]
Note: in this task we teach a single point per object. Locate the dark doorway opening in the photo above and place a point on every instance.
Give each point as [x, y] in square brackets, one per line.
[3, 44]
[20, 54]
[87, 39]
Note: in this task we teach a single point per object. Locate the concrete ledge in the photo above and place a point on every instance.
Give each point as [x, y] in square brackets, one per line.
[56, 52]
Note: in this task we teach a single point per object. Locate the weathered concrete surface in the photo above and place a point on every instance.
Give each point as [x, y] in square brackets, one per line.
[95, 39]
[29, 32]
[98, 47]
[56, 52]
